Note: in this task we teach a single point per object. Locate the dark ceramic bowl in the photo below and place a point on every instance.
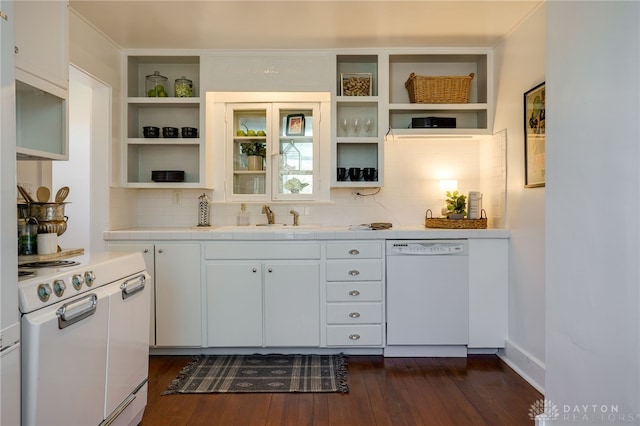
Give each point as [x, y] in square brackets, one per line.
[189, 132]
[151, 132]
[169, 132]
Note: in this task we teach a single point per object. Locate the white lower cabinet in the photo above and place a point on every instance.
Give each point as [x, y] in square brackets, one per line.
[262, 294]
[488, 292]
[354, 292]
[176, 313]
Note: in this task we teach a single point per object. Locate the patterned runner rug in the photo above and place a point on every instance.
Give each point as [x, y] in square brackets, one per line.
[262, 373]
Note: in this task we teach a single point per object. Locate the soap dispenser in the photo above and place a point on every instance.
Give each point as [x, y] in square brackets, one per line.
[243, 216]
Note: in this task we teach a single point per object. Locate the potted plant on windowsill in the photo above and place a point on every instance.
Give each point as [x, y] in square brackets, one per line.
[456, 205]
[255, 152]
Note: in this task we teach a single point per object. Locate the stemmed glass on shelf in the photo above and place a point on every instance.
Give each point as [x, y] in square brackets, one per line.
[345, 126]
[368, 125]
[355, 125]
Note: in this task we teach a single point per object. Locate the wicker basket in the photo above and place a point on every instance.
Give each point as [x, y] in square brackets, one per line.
[443, 222]
[438, 89]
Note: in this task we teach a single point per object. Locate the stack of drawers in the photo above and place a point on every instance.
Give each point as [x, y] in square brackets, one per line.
[355, 309]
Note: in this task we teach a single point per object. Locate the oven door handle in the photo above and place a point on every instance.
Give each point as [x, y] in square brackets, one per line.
[133, 286]
[73, 312]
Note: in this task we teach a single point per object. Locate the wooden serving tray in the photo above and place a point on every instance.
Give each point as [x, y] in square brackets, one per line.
[61, 254]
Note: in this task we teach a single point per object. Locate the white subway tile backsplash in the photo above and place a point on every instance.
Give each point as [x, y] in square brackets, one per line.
[412, 167]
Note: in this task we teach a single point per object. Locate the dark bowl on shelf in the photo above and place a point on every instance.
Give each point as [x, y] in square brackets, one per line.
[189, 132]
[169, 132]
[151, 132]
[167, 175]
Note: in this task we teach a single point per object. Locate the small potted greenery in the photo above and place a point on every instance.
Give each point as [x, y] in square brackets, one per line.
[456, 205]
[255, 152]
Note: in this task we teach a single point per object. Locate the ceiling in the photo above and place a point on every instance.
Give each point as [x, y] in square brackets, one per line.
[303, 24]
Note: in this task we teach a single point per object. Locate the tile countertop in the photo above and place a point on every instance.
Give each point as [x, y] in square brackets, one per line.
[253, 232]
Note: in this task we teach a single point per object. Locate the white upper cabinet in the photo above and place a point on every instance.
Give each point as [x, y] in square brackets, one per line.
[42, 79]
[42, 40]
[270, 146]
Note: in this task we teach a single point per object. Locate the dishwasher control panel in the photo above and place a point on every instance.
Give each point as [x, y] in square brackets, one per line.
[426, 248]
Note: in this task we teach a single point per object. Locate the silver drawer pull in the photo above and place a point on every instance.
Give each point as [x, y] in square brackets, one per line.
[132, 286]
[354, 293]
[354, 315]
[72, 312]
[354, 252]
[354, 272]
[354, 336]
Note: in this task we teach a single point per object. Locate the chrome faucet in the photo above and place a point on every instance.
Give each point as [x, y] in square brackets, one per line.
[270, 217]
[295, 217]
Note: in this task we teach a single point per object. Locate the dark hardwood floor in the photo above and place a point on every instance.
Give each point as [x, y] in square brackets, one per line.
[478, 390]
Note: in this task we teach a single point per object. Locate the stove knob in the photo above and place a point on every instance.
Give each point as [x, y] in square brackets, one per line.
[44, 291]
[59, 287]
[77, 281]
[89, 278]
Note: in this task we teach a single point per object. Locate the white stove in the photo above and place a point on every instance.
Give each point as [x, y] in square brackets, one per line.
[85, 323]
[53, 281]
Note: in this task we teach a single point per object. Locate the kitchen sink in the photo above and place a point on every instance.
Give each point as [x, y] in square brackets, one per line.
[271, 226]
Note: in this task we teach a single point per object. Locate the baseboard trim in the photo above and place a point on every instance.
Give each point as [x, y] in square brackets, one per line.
[526, 365]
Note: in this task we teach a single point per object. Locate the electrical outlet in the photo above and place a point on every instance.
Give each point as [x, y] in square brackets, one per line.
[177, 197]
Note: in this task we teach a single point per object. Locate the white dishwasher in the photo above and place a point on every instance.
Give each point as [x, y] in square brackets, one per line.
[427, 297]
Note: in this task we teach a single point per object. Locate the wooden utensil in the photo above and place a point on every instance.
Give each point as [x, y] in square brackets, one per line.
[62, 194]
[43, 194]
[25, 194]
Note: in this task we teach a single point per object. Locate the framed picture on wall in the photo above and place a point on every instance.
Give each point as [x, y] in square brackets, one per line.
[295, 125]
[534, 137]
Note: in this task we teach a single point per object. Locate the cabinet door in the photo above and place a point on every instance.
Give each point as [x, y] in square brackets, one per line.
[148, 255]
[248, 162]
[42, 40]
[296, 146]
[178, 295]
[42, 79]
[234, 304]
[488, 292]
[292, 304]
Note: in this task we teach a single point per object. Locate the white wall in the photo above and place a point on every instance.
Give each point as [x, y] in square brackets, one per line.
[413, 169]
[87, 171]
[593, 199]
[100, 58]
[520, 65]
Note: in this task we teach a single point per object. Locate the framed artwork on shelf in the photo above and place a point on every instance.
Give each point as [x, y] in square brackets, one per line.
[295, 125]
[534, 137]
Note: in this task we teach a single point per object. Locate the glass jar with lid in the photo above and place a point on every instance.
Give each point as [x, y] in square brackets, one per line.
[183, 87]
[156, 85]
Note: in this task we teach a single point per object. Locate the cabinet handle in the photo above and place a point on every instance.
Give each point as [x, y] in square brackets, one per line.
[254, 270]
[354, 252]
[16, 49]
[160, 251]
[354, 336]
[145, 251]
[354, 315]
[270, 270]
[354, 272]
[354, 293]
[4, 16]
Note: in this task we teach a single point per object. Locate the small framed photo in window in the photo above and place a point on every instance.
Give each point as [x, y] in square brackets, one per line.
[295, 125]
